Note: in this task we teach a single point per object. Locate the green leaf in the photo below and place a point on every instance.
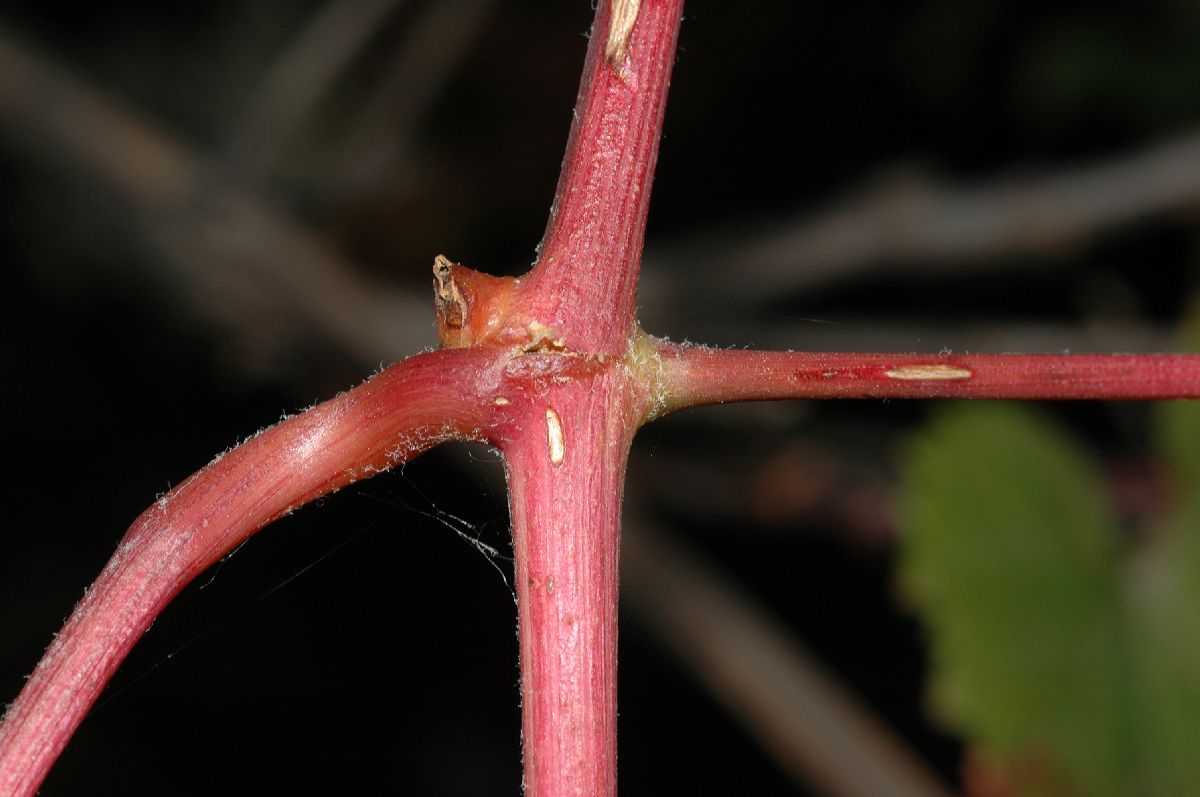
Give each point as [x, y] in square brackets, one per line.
[1064, 651]
[1177, 423]
[1010, 554]
[1163, 590]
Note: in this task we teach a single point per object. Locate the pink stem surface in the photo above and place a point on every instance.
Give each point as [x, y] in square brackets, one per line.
[566, 454]
[585, 281]
[697, 375]
[397, 414]
[566, 467]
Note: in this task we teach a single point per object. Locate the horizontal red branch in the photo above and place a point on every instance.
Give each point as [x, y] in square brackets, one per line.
[392, 417]
[697, 375]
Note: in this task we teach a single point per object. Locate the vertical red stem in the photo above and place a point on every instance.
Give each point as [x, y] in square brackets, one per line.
[585, 280]
[566, 503]
[567, 451]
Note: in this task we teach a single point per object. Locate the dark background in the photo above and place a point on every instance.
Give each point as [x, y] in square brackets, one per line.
[361, 645]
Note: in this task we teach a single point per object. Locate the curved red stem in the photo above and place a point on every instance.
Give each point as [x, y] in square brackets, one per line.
[399, 413]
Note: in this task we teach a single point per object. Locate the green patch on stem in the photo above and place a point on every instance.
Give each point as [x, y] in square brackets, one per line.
[1066, 653]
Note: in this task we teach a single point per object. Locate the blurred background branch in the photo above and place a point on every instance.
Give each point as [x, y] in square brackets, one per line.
[240, 259]
[913, 223]
[807, 721]
[302, 74]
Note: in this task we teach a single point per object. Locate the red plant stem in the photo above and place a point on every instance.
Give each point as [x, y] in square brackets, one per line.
[696, 375]
[561, 386]
[566, 508]
[580, 298]
[585, 281]
[403, 411]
